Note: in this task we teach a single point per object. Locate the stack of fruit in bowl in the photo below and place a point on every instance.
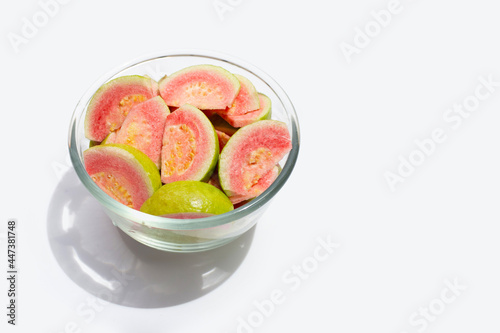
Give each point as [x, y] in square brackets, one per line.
[199, 142]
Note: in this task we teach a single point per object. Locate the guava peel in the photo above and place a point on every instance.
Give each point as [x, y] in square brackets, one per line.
[187, 197]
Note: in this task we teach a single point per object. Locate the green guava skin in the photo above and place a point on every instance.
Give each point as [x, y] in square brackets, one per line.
[187, 196]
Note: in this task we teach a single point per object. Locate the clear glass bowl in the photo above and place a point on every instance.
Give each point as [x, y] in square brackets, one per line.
[186, 235]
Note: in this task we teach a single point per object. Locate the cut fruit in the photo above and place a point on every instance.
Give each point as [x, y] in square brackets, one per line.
[250, 154]
[206, 87]
[190, 147]
[112, 101]
[259, 188]
[187, 197]
[123, 172]
[264, 112]
[109, 139]
[247, 99]
[143, 128]
[223, 139]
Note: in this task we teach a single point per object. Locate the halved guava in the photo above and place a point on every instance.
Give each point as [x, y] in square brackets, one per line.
[190, 147]
[206, 87]
[223, 138]
[247, 99]
[111, 103]
[264, 112]
[110, 138]
[262, 184]
[123, 172]
[250, 154]
[143, 128]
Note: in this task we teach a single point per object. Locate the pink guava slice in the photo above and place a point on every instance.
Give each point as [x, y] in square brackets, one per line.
[111, 103]
[247, 99]
[206, 87]
[252, 152]
[240, 120]
[143, 128]
[262, 184]
[190, 147]
[123, 172]
[110, 138]
[223, 138]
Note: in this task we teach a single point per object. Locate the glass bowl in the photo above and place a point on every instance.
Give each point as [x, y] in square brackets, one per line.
[186, 235]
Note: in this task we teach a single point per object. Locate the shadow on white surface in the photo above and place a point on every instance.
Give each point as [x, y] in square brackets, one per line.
[110, 265]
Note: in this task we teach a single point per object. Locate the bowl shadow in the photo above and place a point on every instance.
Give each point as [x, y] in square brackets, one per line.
[112, 266]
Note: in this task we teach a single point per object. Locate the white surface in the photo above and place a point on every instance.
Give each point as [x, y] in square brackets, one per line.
[397, 249]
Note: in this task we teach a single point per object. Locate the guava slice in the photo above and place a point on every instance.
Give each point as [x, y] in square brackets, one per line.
[123, 172]
[110, 138]
[190, 147]
[223, 138]
[111, 103]
[250, 154]
[247, 99]
[143, 128]
[258, 188]
[264, 112]
[187, 197]
[206, 87]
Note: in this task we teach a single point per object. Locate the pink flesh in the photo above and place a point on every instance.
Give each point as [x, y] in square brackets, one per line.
[258, 188]
[221, 96]
[223, 138]
[106, 111]
[122, 170]
[247, 118]
[275, 140]
[111, 138]
[143, 128]
[243, 103]
[174, 136]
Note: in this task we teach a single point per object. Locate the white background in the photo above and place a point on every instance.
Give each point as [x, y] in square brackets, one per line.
[399, 250]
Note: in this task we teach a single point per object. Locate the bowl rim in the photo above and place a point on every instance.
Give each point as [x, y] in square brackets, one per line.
[185, 224]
